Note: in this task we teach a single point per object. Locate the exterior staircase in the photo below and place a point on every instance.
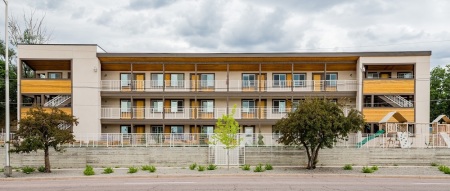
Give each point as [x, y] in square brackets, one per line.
[57, 101]
[397, 101]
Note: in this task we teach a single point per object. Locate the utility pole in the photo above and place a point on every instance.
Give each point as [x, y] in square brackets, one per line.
[7, 169]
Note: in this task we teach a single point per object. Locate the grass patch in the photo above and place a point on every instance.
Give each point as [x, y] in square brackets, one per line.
[145, 167]
[28, 170]
[268, 167]
[348, 167]
[259, 168]
[201, 168]
[434, 164]
[88, 171]
[41, 169]
[211, 167]
[246, 167]
[375, 168]
[193, 166]
[108, 170]
[366, 169]
[132, 170]
[152, 169]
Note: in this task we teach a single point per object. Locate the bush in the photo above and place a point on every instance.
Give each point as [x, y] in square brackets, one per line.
[146, 167]
[28, 170]
[268, 167]
[211, 167]
[108, 170]
[367, 170]
[41, 169]
[132, 170]
[193, 166]
[434, 164]
[442, 168]
[201, 168]
[374, 168]
[89, 171]
[259, 168]
[152, 169]
[348, 167]
[246, 167]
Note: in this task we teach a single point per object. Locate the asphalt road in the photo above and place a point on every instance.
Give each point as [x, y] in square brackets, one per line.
[228, 183]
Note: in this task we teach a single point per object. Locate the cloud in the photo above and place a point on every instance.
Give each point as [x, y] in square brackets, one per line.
[149, 4]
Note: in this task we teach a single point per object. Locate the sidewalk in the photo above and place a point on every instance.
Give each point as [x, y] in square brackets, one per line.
[162, 172]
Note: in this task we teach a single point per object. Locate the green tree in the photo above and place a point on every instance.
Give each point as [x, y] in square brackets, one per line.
[226, 133]
[439, 91]
[317, 124]
[12, 85]
[42, 129]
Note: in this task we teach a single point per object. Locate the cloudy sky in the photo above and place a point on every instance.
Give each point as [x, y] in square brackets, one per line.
[247, 25]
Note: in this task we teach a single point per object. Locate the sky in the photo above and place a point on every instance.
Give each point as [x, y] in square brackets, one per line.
[203, 26]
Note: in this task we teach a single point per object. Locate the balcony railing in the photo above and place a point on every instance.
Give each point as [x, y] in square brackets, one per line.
[231, 85]
[194, 113]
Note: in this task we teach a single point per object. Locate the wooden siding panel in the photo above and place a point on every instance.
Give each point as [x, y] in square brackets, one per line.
[230, 59]
[377, 113]
[341, 67]
[147, 67]
[276, 67]
[180, 67]
[388, 86]
[211, 67]
[46, 86]
[24, 110]
[309, 67]
[244, 67]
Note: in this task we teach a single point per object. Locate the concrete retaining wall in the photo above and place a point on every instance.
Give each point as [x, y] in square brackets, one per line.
[183, 156]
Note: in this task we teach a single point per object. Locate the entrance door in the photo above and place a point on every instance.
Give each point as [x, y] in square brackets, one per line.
[140, 128]
[194, 82]
[249, 134]
[139, 82]
[384, 75]
[262, 80]
[262, 110]
[317, 82]
[140, 109]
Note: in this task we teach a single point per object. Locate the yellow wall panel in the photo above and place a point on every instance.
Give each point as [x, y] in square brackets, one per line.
[24, 110]
[375, 114]
[389, 86]
[46, 86]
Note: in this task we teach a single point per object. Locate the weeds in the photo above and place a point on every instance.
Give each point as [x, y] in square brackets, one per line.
[211, 167]
[434, 164]
[348, 167]
[146, 167]
[201, 168]
[268, 167]
[193, 166]
[132, 170]
[108, 170]
[41, 169]
[246, 167]
[28, 170]
[259, 168]
[374, 168]
[89, 171]
[366, 169]
[152, 169]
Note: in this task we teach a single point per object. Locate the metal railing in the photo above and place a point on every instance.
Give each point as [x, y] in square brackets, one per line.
[229, 85]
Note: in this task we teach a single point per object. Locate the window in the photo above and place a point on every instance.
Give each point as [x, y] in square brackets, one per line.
[207, 129]
[207, 80]
[125, 105]
[279, 106]
[331, 80]
[299, 80]
[404, 75]
[207, 105]
[125, 129]
[54, 75]
[157, 129]
[69, 75]
[176, 105]
[279, 80]
[177, 80]
[157, 80]
[295, 104]
[41, 75]
[248, 80]
[248, 106]
[157, 105]
[373, 75]
[176, 129]
[125, 80]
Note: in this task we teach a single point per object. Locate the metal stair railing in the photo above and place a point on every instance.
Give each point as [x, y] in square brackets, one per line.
[56, 101]
[399, 100]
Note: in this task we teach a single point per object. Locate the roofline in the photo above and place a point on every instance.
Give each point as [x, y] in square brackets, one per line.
[278, 54]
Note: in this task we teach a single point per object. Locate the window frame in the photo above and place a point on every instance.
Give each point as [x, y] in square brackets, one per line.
[403, 74]
[279, 83]
[299, 83]
[179, 82]
[178, 128]
[156, 82]
[249, 109]
[127, 82]
[207, 109]
[331, 82]
[180, 106]
[277, 109]
[248, 83]
[207, 83]
[157, 109]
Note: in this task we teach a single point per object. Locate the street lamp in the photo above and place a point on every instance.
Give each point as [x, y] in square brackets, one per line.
[7, 168]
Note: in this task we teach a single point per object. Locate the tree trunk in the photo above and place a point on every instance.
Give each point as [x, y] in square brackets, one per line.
[47, 160]
[308, 153]
[228, 158]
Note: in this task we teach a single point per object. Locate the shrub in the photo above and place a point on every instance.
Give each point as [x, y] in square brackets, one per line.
[434, 164]
[268, 167]
[28, 170]
[211, 167]
[89, 171]
[41, 169]
[374, 168]
[348, 167]
[442, 168]
[132, 170]
[447, 170]
[367, 170]
[201, 168]
[146, 167]
[193, 166]
[152, 169]
[108, 170]
[259, 168]
[246, 167]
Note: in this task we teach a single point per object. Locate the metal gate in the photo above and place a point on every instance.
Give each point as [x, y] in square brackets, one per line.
[218, 155]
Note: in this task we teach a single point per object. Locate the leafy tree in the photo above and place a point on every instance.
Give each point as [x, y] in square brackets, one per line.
[12, 85]
[226, 133]
[439, 91]
[42, 129]
[317, 124]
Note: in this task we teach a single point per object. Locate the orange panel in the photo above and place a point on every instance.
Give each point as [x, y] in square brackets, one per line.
[276, 67]
[309, 67]
[211, 67]
[388, 86]
[24, 110]
[147, 67]
[341, 67]
[179, 67]
[375, 114]
[46, 86]
[244, 67]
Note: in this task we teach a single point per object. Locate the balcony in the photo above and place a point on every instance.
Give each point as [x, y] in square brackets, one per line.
[62, 86]
[229, 86]
[388, 86]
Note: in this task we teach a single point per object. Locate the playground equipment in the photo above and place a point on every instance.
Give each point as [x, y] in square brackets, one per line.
[441, 126]
[368, 138]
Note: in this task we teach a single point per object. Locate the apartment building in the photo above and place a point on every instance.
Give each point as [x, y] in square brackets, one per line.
[188, 92]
